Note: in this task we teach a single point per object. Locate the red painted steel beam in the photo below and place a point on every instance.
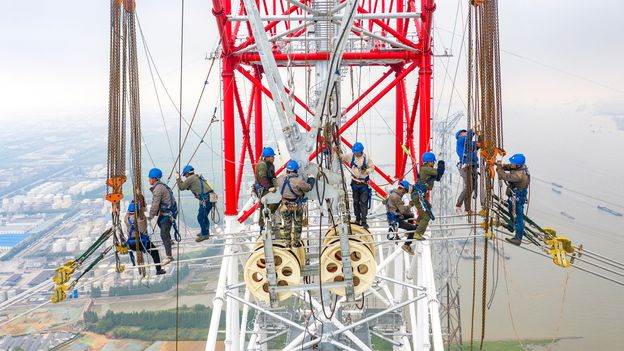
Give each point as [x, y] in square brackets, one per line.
[405, 55]
[258, 143]
[269, 27]
[377, 97]
[399, 127]
[367, 91]
[229, 138]
[266, 91]
[400, 37]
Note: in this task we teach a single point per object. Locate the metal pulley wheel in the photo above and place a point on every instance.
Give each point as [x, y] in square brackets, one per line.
[288, 264]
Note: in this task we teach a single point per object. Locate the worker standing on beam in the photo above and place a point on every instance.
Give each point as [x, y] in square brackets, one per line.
[203, 192]
[164, 208]
[468, 168]
[265, 181]
[361, 167]
[516, 175]
[132, 226]
[427, 175]
[292, 187]
[399, 215]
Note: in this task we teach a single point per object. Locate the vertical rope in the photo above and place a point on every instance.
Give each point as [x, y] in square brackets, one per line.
[179, 167]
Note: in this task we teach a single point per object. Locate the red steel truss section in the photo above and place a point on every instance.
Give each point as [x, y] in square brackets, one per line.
[243, 87]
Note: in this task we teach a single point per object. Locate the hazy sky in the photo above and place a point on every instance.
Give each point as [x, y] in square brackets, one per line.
[54, 55]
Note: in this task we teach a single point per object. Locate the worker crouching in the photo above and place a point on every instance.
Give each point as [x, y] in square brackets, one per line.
[427, 175]
[145, 244]
[516, 176]
[292, 188]
[202, 192]
[399, 215]
[165, 209]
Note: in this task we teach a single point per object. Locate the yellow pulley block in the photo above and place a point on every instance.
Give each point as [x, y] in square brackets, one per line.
[64, 272]
[120, 268]
[59, 294]
[122, 249]
[560, 247]
[288, 265]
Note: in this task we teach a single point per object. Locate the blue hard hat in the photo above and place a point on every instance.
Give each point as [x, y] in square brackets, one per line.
[358, 147]
[131, 207]
[428, 157]
[517, 159]
[404, 184]
[268, 152]
[292, 166]
[155, 173]
[187, 169]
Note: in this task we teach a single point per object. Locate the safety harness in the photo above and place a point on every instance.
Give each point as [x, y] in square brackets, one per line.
[260, 189]
[131, 242]
[169, 211]
[299, 200]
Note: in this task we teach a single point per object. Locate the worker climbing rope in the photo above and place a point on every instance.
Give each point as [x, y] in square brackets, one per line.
[428, 174]
[516, 175]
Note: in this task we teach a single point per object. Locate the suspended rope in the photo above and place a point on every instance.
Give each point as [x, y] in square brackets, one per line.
[485, 115]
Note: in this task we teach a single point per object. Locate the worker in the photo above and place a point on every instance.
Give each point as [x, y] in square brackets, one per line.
[133, 225]
[399, 215]
[516, 175]
[468, 168]
[265, 181]
[202, 192]
[427, 175]
[361, 167]
[292, 188]
[164, 208]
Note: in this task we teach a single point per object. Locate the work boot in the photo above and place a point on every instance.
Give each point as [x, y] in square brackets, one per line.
[160, 271]
[407, 248]
[514, 241]
[167, 260]
[459, 210]
[199, 238]
[364, 225]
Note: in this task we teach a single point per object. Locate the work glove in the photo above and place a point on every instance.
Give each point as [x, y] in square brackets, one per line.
[272, 190]
[311, 181]
[441, 168]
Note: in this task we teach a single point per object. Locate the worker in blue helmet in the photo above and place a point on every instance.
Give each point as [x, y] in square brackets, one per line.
[265, 181]
[165, 209]
[518, 179]
[203, 192]
[468, 166]
[292, 188]
[361, 167]
[399, 215]
[138, 240]
[428, 174]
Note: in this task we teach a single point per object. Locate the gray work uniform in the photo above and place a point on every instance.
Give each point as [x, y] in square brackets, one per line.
[162, 204]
